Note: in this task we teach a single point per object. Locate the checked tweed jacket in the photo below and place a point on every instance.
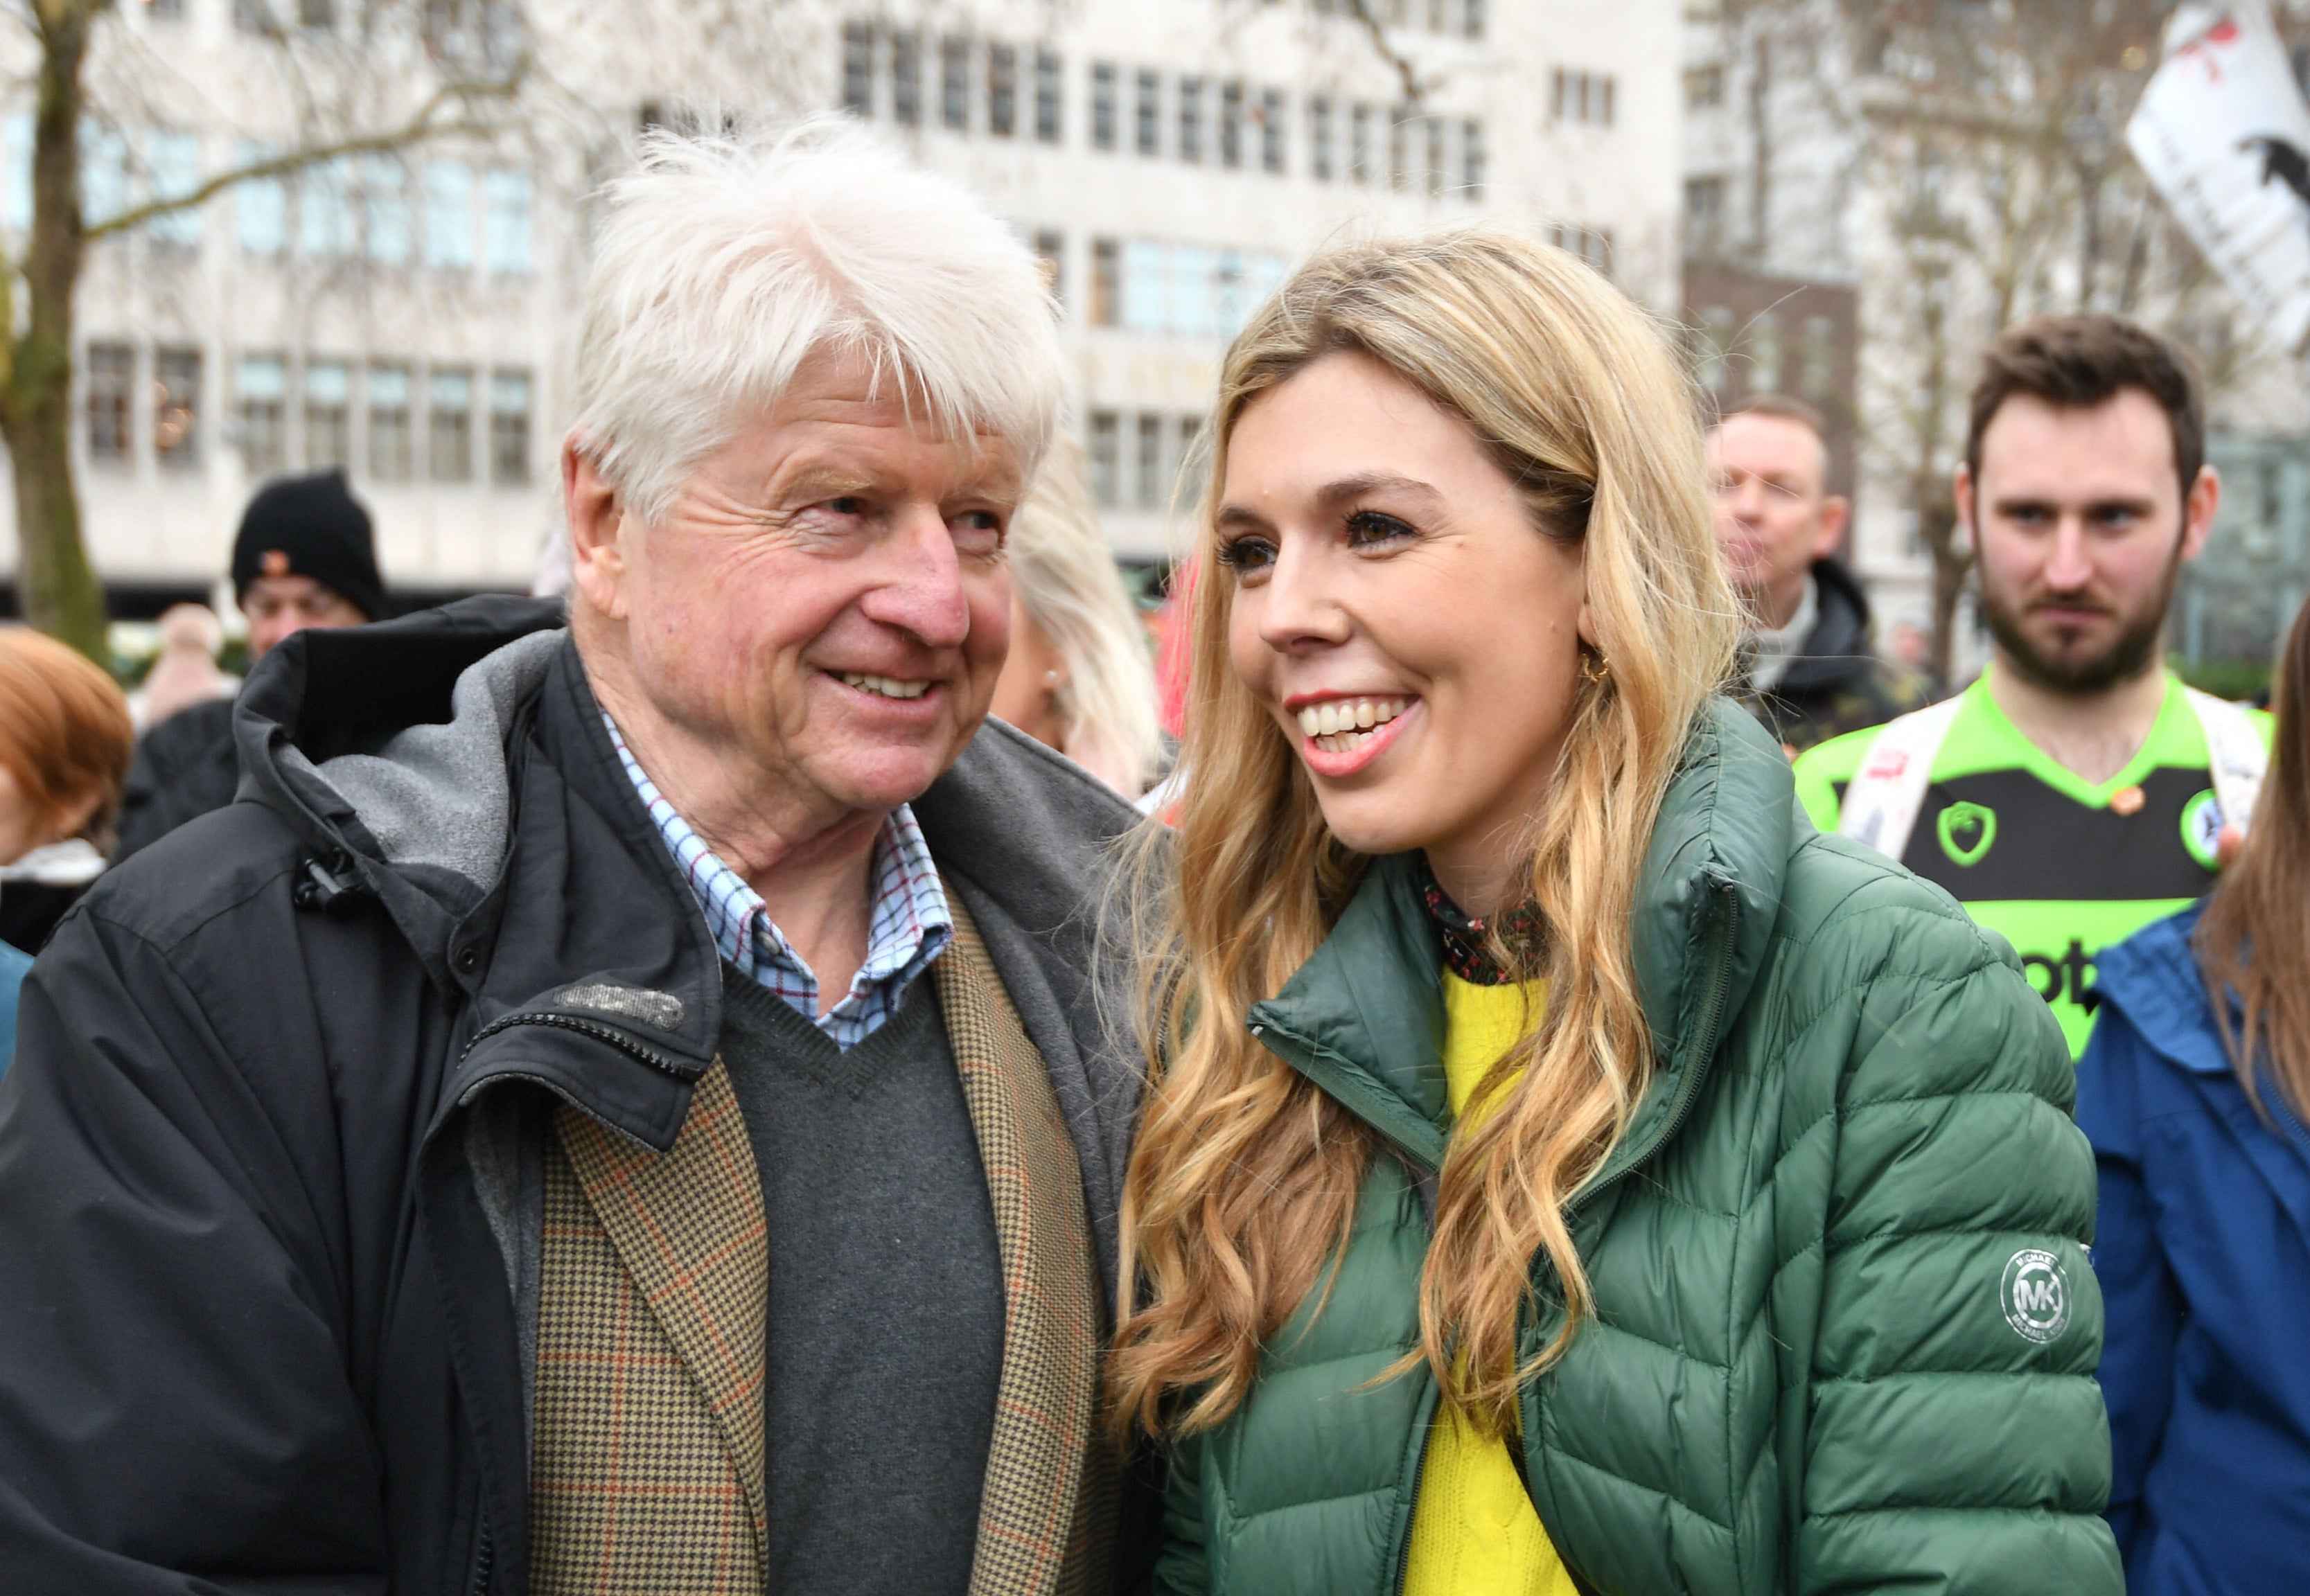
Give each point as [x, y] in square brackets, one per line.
[648, 1466]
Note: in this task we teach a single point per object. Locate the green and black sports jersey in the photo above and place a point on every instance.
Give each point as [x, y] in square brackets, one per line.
[2042, 856]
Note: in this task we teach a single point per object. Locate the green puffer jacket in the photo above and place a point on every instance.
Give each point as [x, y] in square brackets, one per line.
[1845, 1330]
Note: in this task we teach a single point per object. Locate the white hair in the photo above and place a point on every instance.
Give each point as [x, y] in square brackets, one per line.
[1067, 579]
[721, 264]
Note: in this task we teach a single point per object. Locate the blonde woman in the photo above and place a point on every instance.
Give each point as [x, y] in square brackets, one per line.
[1078, 676]
[1563, 1169]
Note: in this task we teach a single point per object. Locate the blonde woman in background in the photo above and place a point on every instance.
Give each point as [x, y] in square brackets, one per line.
[1565, 1169]
[1078, 677]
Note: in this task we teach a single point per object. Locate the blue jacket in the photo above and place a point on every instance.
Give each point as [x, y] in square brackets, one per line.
[2202, 1251]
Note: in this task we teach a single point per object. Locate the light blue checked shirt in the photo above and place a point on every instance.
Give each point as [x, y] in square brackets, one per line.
[907, 928]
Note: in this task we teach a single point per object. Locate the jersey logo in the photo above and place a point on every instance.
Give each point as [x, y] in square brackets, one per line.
[2035, 1295]
[1966, 830]
[2202, 828]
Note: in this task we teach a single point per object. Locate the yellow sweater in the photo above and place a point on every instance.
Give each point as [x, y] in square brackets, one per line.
[1474, 1529]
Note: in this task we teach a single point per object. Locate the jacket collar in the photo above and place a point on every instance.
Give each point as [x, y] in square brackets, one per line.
[1363, 1017]
[1839, 647]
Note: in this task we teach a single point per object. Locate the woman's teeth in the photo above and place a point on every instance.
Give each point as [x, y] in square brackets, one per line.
[1345, 724]
[888, 686]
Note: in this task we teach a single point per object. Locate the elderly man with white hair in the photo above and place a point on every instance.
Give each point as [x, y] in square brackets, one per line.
[624, 1107]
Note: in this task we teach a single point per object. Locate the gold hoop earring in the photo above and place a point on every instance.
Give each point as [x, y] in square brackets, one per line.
[1596, 670]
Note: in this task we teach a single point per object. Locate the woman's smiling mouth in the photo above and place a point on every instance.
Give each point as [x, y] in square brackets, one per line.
[1340, 736]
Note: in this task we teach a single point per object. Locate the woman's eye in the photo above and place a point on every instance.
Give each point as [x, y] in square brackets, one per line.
[1368, 527]
[1243, 556]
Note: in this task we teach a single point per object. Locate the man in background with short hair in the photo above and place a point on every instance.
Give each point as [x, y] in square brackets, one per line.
[2078, 790]
[1811, 670]
[305, 557]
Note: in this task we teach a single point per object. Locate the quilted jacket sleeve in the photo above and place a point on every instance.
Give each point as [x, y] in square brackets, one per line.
[2145, 1305]
[1956, 1440]
[1184, 1568]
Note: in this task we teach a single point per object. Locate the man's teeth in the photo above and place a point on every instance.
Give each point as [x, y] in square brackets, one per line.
[1343, 725]
[890, 687]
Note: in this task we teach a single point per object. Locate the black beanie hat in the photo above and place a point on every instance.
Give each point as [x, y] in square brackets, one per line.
[310, 527]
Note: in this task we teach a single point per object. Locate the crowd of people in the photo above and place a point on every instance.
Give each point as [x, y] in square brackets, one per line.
[1590, 1079]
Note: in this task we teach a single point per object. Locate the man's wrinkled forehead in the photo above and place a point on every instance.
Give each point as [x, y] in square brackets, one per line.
[1770, 446]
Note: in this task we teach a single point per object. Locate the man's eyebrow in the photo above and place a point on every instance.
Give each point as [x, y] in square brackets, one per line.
[814, 482]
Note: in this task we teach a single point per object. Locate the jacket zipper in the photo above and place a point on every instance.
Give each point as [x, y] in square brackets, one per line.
[664, 1063]
[485, 1557]
[1425, 1430]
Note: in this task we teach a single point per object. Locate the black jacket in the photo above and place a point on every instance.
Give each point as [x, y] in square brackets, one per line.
[183, 767]
[1838, 684]
[261, 1321]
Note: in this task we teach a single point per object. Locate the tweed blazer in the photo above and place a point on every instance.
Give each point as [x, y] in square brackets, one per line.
[647, 1461]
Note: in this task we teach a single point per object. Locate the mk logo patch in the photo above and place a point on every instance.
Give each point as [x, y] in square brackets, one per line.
[2035, 1295]
[1966, 830]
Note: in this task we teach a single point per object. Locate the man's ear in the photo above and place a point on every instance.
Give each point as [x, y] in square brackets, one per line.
[2204, 498]
[1961, 490]
[595, 516]
[1835, 511]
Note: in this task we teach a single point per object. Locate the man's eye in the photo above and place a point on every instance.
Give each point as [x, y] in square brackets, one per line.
[1368, 527]
[1245, 555]
[848, 505]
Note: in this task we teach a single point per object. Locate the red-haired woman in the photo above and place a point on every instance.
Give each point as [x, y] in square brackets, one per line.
[64, 743]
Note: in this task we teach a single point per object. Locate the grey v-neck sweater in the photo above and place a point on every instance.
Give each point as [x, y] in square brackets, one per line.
[886, 1311]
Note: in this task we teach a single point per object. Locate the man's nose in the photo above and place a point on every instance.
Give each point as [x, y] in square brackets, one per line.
[2069, 563]
[921, 592]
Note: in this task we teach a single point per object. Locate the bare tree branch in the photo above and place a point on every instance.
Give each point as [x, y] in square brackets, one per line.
[419, 129]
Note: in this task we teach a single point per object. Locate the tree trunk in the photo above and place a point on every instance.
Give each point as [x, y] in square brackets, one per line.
[1937, 526]
[57, 587]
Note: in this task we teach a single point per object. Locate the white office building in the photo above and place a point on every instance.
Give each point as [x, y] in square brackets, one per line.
[408, 314]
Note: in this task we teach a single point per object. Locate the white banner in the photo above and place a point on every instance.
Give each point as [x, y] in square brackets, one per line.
[2222, 131]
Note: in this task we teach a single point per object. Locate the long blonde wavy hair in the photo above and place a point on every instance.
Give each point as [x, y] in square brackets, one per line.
[1244, 1180]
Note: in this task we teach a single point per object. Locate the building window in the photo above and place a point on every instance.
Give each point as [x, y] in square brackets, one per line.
[1319, 138]
[1472, 159]
[324, 211]
[509, 428]
[165, 11]
[111, 402]
[174, 160]
[1399, 150]
[260, 207]
[1433, 167]
[1002, 90]
[1191, 120]
[1106, 458]
[507, 195]
[1703, 213]
[1703, 86]
[1102, 106]
[254, 16]
[1360, 153]
[1231, 126]
[449, 217]
[263, 394]
[1148, 113]
[1471, 19]
[858, 69]
[1818, 378]
[1195, 463]
[906, 78]
[1050, 253]
[328, 414]
[954, 83]
[450, 426]
[176, 406]
[1593, 245]
[1048, 83]
[1147, 476]
[388, 423]
[317, 16]
[1271, 130]
[1581, 97]
[1715, 338]
[386, 233]
[1105, 282]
